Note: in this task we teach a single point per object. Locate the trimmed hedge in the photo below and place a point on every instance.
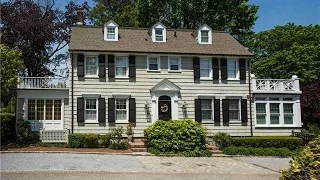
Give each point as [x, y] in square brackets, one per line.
[8, 123]
[184, 137]
[291, 143]
[282, 152]
[88, 140]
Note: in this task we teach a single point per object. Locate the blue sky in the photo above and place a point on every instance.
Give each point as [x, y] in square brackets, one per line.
[273, 12]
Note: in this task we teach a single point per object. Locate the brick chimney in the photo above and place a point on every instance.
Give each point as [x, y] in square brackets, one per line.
[79, 16]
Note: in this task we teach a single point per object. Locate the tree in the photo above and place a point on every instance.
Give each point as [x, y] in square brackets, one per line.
[310, 104]
[287, 50]
[40, 31]
[11, 65]
[236, 17]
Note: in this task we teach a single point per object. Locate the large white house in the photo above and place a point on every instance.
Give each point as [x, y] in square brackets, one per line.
[121, 75]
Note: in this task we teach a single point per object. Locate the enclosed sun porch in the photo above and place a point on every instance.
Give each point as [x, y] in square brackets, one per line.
[44, 102]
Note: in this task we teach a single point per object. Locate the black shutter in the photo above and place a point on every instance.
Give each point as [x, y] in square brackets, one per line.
[132, 66]
[102, 110]
[111, 110]
[80, 68]
[215, 67]
[225, 110]
[242, 68]
[217, 110]
[102, 65]
[80, 109]
[197, 108]
[111, 70]
[132, 110]
[224, 70]
[196, 68]
[244, 110]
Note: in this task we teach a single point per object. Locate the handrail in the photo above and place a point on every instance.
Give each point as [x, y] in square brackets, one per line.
[43, 83]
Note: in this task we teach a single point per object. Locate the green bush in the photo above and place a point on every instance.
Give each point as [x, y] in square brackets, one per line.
[117, 142]
[222, 139]
[306, 165]
[281, 152]
[291, 143]
[7, 127]
[25, 136]
[83, 140]
[176, 137]
[104, 140]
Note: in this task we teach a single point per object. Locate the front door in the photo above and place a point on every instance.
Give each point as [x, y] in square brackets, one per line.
[164, 108]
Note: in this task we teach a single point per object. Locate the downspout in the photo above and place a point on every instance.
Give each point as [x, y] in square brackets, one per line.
[72, 106]
[250, 99]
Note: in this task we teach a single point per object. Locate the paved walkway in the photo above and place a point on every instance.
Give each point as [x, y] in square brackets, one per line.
[15, 165]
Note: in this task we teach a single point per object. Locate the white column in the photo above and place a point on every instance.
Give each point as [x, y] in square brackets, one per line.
[296, 84]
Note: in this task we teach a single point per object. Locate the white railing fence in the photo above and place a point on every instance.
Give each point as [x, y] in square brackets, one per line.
[42, 82]
[275, 85]
[54, 136]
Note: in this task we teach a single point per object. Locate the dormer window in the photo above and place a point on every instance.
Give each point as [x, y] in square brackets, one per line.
[111, 31]
[204, 35]
[158, 33]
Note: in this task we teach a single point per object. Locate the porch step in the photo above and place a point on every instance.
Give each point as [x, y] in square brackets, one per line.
[140, 139]
[137, 145]
[139, 149]
[214, 149]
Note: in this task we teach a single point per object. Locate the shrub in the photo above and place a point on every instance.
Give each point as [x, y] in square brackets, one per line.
[25, 136]
[104, 140]
[306, 165]
[282, 152]
[222, 139]
[291, 143]
[83, 140]
[7, 127]
[184, 137]
[116, 141]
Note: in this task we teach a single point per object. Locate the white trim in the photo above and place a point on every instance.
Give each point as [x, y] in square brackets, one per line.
[179, 64]
[158, 61]
[239, 108]
[237, 69]
[127, 66]
[85, 110]
[127, 111]
[164, 33]
[121, 96]
[174, 105]
[204, 28]
[114, 25]
[212, 98]
[85, 66]
[210, 68]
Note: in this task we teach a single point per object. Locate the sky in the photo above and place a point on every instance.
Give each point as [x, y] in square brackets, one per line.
[272, 12]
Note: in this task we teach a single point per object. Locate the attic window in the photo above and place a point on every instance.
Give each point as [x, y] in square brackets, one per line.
[204, 36]
[111, 33]
[159, 34]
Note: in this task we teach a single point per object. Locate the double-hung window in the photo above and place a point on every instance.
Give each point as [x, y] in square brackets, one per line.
[261, 113]
[206, 109]
[205, 69]
[233, 69]
[234, 110]
[159, 34]
[91, 66]
[91, 112]
[122, 110]
[204, 36]
[153, 63]
[174, 63]
[121, 66]
[111, 33]
[288, 113]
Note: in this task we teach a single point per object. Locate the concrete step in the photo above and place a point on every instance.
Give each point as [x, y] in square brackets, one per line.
[137, 145]
[139, 149]
[140, 139]
[212, 147]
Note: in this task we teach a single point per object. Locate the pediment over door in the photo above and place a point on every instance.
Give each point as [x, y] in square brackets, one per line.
[165, 85]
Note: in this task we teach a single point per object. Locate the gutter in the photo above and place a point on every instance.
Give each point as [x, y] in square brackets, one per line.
[72, 106]
[250, 100]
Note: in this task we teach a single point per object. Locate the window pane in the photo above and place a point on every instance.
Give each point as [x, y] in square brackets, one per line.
[232, 73]
[174, 61]
[91, 66]
[91, 103]
[274, 99]
[121, 109]
[121, 104]
[121, 71]
[121, 61]
[274, 119]
[261, 108]
[31, 109]
[288, 119]
[232, 65]
[49, 104]
[91, 115]
[261, 119]
[204, 64]
[204, 73]
[57, 109]
[204, 33]
[111, 36]
[111, 30]
[159, 38]
[91, 61]
[234, 114]
[153, 64]
[91, 70]
[274, 108]
[158, 31]
[287, 108]
[206, 104]
[204, 39]
[206, 114]
[174, 67]
[40, 109]
[233, 104]
[121, 115]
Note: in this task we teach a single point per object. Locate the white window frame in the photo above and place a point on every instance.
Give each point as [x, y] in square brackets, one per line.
[239, 109]
[127, 67]
[281, 101]
[204, 97]
[158, 35]
[204, 36]
[85, 109]
[158, 61]
[113, 27]
[169, 64]
[237, 69]
[265, 114]
[210, 69]
[127, 109]
[291, 114]
[85, 66]
[44, 110]
[111, 24]
[204, 28]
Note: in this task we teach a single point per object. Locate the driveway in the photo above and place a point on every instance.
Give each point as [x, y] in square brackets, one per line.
[78, 166]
